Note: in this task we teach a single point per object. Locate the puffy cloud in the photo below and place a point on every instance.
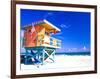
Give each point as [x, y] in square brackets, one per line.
[22, 33]
[65, 26]
[23, 50]
[58, 33]
[48, 14]
[84, 48]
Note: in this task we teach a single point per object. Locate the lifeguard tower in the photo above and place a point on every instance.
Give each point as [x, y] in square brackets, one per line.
[38, 43]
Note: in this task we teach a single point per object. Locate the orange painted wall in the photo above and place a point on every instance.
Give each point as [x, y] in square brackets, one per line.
[31, 37]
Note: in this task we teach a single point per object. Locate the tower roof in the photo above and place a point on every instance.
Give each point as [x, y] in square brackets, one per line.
[44, 23]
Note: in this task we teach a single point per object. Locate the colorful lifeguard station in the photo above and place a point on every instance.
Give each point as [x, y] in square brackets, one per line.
[38, 43]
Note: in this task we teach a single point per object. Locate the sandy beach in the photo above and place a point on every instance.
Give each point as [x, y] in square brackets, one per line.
[62, 61]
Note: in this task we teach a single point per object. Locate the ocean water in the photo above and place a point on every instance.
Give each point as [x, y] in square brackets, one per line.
[70, 53]
[73, 53]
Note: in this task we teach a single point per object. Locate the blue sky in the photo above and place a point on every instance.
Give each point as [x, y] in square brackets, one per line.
[75, 27]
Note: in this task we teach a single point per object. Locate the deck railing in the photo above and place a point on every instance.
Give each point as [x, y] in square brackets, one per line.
[49, 41]
[55, 42]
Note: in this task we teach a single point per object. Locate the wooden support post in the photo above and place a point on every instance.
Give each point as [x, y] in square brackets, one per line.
[53, 55]
[43, 55]
[40, 54]
[26, 56]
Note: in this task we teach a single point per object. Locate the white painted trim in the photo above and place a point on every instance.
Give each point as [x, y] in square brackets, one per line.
[52, 25]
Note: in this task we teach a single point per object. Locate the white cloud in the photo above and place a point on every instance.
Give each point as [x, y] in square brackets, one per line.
[58, 33]
[84, 48]
[22, 33]
[65, 26]
[23, 50]
[60, 37]
[74, 49]
[48, 14]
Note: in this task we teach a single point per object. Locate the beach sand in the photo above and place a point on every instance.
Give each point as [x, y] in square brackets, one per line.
[63, 61]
